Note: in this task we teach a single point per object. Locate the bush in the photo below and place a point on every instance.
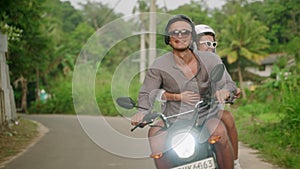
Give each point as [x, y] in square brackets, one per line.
[60, 101]
[104, 92]
[274, 130]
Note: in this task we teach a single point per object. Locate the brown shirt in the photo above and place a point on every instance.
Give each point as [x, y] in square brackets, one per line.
[165, 74]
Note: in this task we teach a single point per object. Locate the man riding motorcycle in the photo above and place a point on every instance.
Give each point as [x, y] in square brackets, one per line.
[184, 74]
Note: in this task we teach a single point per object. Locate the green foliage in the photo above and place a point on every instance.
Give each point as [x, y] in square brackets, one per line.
[280, 17]
[13, 33]
[60, 101]
[293, 49]
[272, 119]
[255, 109]
[196, 11]
[121, 50]
[98, 14]
[25, 55]
[104, 93]
[242, 38]
[242, 42]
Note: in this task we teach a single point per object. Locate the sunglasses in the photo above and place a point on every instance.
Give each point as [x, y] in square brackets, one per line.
[209, 43]
[184, 33]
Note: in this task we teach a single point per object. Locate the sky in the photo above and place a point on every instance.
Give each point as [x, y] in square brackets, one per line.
[126, 6]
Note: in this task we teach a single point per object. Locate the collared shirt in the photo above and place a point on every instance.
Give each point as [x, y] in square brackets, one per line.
[165, 74]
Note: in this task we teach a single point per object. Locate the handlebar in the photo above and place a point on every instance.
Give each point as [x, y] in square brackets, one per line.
[199, 106]
[148, 119]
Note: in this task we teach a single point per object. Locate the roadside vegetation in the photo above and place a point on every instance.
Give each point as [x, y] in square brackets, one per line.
[270, 121]
[15, 138]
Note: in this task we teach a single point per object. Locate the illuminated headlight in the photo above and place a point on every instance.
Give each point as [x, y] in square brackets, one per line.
[183, 144]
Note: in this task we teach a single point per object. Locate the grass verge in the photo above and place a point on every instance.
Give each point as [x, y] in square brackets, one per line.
[15, 138]
[265, 132]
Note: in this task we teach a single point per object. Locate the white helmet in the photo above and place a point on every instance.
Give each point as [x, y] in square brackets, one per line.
[202, 29]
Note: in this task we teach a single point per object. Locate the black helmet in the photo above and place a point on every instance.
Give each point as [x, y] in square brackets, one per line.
[176, 18]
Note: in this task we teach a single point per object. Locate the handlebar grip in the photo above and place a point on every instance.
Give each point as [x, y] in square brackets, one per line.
[231, 98]
[134, 128]
[141, 125]
[229, 102]
[148, 119]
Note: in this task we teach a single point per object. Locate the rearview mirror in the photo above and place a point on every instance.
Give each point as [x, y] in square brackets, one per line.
[217, 73]
[126, 102]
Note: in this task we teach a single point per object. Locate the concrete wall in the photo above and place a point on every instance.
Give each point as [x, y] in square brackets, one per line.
[7, 101]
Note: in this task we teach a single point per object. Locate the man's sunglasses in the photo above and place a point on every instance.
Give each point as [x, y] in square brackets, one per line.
[184, 33]
[209, 43]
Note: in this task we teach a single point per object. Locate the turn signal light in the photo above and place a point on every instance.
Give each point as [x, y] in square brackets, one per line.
[156, 156]
[214, 139]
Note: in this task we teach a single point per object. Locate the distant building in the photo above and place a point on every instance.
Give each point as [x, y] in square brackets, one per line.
[266, 65]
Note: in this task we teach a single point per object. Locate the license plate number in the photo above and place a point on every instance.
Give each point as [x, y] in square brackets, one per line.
[207, 163]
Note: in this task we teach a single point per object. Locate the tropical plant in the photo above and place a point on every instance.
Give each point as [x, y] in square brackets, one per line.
[243, 41]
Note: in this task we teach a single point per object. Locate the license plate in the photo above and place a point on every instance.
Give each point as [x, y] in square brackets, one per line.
[207, 163]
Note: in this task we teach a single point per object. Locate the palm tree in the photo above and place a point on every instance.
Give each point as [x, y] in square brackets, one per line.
[243, 41]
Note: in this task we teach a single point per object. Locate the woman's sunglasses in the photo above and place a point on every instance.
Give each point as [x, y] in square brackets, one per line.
[184, 33]
[209, 43]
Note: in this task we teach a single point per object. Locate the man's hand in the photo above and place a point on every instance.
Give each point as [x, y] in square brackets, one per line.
[222, 95]
[238, 93]
[137, 118]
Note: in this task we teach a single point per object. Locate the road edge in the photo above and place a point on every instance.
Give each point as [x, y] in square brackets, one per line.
[41, 129]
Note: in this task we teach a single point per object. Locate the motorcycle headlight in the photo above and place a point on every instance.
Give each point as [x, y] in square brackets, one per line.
[183, 144]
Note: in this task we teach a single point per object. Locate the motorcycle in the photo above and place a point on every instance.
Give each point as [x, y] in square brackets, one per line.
[189, 144]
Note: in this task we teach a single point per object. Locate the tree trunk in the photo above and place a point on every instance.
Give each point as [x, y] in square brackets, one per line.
[241, 81]
[37, 89]
[24, 94]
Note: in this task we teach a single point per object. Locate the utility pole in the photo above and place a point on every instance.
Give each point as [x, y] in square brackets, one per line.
[152, 35]
[142, 56]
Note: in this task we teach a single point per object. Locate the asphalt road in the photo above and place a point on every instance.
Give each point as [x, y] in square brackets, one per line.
[68, 143]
